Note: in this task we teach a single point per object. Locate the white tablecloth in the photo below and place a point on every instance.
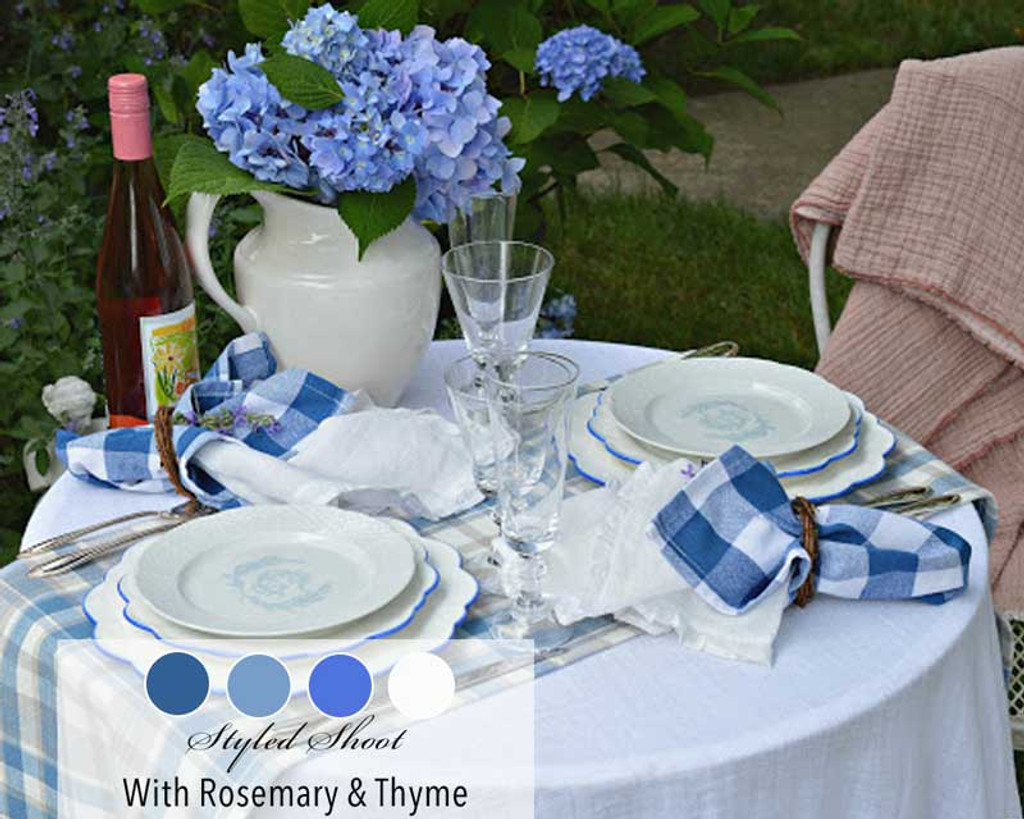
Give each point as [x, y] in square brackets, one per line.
[871, 710]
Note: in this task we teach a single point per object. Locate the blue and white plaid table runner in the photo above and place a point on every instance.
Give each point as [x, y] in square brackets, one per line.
[36, 614]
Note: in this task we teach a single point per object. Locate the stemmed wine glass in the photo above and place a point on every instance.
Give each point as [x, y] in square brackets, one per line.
[529, 419]
[497, 288]
[487, 218]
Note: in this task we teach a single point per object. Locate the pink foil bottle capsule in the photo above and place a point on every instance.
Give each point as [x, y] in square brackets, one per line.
[129, 116]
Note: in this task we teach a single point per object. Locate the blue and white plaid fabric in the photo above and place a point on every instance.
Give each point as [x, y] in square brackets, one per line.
[732, 535]
[242, 385]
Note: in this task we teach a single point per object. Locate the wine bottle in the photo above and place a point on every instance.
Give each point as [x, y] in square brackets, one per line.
[143, 278]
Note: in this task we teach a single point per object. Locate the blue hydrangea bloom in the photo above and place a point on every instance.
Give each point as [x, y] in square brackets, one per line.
[371, 140]
[579, 59]
[465, 155]
[328, 37]
[247, 119]
[412, 106]
[557, 317]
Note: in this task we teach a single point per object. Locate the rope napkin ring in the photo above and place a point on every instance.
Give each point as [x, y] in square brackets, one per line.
[804, 510]
[163, 434]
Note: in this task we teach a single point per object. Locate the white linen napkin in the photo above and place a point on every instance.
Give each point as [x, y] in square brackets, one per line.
[410, 463]
[604, 563]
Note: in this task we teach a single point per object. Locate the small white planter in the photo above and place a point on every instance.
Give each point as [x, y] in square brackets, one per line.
[39, 482]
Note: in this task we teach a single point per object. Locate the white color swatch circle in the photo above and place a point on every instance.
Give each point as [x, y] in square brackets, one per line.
[421, 685]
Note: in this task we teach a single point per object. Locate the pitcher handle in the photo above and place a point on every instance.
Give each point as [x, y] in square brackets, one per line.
[197, 234]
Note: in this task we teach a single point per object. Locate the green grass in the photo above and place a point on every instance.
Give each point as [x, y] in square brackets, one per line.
[678, 275]
[846, 35]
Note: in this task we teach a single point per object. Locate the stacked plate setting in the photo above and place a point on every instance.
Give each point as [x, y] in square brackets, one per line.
[821, 441]
[241, 581]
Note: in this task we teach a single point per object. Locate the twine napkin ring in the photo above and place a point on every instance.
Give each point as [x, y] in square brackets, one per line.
[804, 510]
[163, 434]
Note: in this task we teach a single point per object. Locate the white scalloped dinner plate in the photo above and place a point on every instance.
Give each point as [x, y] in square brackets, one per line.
[620, 444]
[390, 619]
[865, 465]
[274, 571]
[702, 406]
[432, 627]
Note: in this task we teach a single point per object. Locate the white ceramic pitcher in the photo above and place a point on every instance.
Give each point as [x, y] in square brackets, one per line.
[361, 324]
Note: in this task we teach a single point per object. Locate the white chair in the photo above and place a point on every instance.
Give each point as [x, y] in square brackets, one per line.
[816, 274]
[816, 264]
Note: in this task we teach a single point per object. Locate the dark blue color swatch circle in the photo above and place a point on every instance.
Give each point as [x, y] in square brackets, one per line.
[259, 685]
[340, 685]
[177, 684]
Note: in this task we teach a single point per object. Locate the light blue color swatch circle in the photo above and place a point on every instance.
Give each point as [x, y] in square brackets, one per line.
[259, 685]
[177, 683]
[340, 685]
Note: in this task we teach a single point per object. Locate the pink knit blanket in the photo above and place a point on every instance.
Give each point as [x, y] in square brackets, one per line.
[929, 196]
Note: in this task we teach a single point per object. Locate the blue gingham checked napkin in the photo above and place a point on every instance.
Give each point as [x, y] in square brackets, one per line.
[731, 534]
[254, 404]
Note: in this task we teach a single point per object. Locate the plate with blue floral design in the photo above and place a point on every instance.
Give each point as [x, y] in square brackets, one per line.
[274, 571]
[702, 406]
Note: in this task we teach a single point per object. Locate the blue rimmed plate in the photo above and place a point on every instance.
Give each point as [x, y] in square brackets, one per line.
[699, 407]
[389, 620]
[864, 465]
[432, 626]
[274, 571]
[619, 443]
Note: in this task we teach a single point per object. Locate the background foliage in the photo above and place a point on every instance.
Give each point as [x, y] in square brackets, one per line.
[64, 51]
[620, 255]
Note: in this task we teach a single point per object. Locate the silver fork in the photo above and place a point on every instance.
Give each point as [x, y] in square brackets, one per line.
[66, 539]
[915, 501]
[73, 560]
[900, 497]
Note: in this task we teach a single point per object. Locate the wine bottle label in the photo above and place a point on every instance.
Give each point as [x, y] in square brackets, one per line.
[170, 356]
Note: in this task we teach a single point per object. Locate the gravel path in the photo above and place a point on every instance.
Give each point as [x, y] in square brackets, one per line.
[762, 161]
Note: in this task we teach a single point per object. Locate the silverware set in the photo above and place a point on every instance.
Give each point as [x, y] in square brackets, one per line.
[94, 550]
[916, 501]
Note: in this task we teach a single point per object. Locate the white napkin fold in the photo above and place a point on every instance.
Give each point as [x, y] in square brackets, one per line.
[410, 463]
[604, 563]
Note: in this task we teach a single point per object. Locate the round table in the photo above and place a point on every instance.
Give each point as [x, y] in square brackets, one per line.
[870, 709]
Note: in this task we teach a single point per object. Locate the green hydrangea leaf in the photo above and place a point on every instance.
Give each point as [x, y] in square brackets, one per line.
[165, 151]
[200, 168]
[623, 93]
[668, 92]
[634, 155]
[661, 20]
[372, 215]
[511, 30]
[270, 19]
[717, 10]
[198, 69]
[531, 116]
[741, 17]
[390, 14]
[766, 34]
[733, 75]
[302, 81]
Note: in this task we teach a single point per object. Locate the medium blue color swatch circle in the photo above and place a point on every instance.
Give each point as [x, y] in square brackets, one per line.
[340, 685]
[177, 683]
[259, 685]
